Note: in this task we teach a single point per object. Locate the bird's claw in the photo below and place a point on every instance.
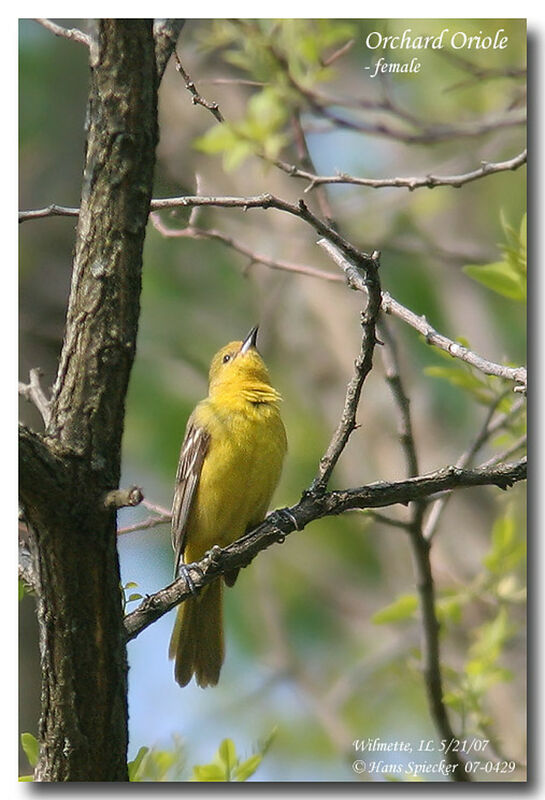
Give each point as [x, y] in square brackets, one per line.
[285, 513]
[184, 572]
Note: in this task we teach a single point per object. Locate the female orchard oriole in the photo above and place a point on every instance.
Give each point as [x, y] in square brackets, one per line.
[229, 466]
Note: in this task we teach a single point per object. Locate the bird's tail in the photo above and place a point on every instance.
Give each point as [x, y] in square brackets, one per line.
[197, 639]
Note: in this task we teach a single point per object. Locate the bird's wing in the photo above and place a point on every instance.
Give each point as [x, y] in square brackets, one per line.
[192, 454]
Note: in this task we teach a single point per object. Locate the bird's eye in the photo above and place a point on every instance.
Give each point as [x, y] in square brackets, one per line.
[226, 358]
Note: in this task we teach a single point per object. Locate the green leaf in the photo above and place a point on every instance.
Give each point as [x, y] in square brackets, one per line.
[227, 755]
[507, 549]
[134, 596]
[449, 609]
[236, 154]
[134, 765]
[208, 772]
[463, 378]
[401, 609]
[217, 139]
[501, 277]
[26, 778]
[455, 701]
[247, 768]
[458, 376]
[21, 590]
[31, 747]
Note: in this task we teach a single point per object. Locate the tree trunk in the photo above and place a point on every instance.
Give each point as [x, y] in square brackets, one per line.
[65, 473]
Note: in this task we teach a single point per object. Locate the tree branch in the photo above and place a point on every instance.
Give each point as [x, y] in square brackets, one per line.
[429, 181]
[67, 33]
[362, 365]
[278, 525]
[34, 393]
[420, 323]
[192, 232]
[196, 98]
[123, 498]
[165, 34]
[488, 429]
[421, 555]
[389, 304]
[455, 349]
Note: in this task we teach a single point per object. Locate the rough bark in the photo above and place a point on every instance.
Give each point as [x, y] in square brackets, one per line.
[66, 472]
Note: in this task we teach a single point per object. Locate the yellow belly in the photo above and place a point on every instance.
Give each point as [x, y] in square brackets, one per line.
[239, 475]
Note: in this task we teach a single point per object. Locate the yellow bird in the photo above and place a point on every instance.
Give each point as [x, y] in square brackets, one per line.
[230, 464]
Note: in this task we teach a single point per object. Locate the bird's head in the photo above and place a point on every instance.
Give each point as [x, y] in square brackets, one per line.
[238, 365]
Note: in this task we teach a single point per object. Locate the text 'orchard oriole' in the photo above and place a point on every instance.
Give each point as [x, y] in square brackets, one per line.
[229, 466]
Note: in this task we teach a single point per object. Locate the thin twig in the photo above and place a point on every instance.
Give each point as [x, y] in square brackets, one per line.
[385, 520]
[67, 33]
[427, 181]
[514, 448]
[149, 522]
[389, 304]
[488, 429]
[362, 367]
[455, 349]
[326, 62]
[196, 98]
[33, 392]
[191, 232]
[52, 210]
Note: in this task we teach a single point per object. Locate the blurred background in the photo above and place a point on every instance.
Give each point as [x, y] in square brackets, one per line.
[310, 655]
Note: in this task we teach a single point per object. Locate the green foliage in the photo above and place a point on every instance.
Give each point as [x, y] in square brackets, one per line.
[31, 749]
[400, 610]
[258, 132]
[134, 765]
[498, 582]
[508, 276]
[227, 766]
[156, 765]
[482, 388]
[286, 56]
[127, 596]
[507, 549]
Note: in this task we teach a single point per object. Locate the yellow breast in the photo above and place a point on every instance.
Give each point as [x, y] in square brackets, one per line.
[239, 474]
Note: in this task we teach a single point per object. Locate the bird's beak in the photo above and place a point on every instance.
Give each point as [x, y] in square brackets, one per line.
[250, 340]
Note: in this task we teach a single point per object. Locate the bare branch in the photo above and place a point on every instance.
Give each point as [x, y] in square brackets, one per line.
[455, 349]
[192, 232]
[67, 33]
[428, 134]
[389, 304]
[149, 522]
[420, 323]
[196, 98]
[35, 394]
[421, 556]
[52, 210]
[393, 376]
[488, 429]
[362, 367]
[122, 498]
[326, 62]
[312, 506]
[520, 443]
[429, 181]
